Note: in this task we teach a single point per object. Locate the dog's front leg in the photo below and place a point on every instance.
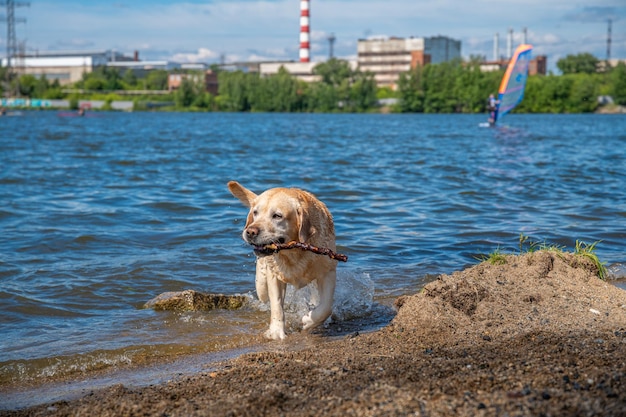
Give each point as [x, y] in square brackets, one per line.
[276, 289]
[326, 291]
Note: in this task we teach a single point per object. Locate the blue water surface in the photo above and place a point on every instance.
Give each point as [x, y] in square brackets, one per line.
[101, 213]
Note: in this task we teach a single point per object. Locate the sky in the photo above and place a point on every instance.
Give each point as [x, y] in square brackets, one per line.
[214, 31]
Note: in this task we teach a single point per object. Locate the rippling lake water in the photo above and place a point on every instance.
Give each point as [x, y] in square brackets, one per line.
[102, 213]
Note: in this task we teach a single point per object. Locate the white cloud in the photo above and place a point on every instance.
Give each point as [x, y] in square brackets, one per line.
[546, 39]
[203, 55]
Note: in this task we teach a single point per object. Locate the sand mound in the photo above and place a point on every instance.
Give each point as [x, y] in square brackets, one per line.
[542, 291]
[540, 334]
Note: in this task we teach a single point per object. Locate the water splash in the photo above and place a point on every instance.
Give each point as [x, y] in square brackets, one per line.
[354, 299]
[617, 271]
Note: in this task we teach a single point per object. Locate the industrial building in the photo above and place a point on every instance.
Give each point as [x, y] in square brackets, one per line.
[69, 66]
[388, 57]
[537, 65]
[208, 78]
[300, 70]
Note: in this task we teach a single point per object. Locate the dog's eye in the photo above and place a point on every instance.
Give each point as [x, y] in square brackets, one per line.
[277, 216]
[255, 212]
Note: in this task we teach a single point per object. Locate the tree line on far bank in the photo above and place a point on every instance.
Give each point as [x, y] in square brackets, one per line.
[454, 87]
[449, 87]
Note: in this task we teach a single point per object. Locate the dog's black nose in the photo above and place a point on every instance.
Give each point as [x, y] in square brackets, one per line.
[281, 240]
[252, 232]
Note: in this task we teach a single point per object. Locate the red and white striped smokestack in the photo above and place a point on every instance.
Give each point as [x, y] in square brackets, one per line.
[305, 45]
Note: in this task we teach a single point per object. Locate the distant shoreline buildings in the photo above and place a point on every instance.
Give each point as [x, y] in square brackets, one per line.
[68, 67]
[385, 58]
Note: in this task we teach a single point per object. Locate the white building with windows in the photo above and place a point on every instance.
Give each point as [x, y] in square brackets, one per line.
[69, 66]
[386, 58]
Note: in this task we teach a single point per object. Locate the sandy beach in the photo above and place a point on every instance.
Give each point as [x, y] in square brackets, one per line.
[540, 334]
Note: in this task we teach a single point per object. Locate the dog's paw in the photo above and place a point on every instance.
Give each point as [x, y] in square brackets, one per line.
[275, 334]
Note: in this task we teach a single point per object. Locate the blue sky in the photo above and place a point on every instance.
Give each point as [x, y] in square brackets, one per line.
[242, 30]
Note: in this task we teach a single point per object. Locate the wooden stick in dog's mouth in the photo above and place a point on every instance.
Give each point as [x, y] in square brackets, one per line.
[275, 247]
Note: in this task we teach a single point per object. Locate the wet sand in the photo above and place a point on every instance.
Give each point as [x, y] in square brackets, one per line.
[538, 335]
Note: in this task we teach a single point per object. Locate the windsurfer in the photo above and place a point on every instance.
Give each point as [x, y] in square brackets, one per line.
[492, 108]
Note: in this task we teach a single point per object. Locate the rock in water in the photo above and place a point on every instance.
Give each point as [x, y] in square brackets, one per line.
[190, 300]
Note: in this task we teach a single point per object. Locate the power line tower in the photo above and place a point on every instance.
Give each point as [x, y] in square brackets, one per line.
[608, 43]
[11, 20]
[331, 42]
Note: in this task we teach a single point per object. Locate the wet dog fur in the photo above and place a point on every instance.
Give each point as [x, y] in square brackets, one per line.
[281, 215]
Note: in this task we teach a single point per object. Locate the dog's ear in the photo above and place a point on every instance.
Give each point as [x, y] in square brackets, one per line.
[242, 193]
[305, 228]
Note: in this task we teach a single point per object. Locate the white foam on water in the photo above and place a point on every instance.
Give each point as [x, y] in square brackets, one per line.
[354, 298]
[617, 271]
[18, 372]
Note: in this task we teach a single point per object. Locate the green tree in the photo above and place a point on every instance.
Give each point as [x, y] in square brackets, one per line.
[334, 71]
[94, 84]
[101, 79]
[344, 89]
[234, 90]
[472, 87]
[548, 94]
[25, 85]
[279, 92]
[439, 83]
[534, 89]
[576, 64]
[363, 92]
[41, 87]
[322, 97]
[411, 90]
[3, 77]
[156, 80]
[204, 100]
[113, 79]
[130, 79]
[186, 93]
[618, 81]
[385, 92]
[583, 95]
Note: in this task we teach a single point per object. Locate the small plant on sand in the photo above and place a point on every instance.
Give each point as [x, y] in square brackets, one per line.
[588, 251]
[535, 246]
[522, 239]
[494, 258]
[526, 245]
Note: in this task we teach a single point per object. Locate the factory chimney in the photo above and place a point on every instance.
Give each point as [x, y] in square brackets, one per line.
[509, 44]
[496, 47]
[305, 29]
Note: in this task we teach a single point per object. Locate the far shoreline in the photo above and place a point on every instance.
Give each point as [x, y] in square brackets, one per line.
[128, 108]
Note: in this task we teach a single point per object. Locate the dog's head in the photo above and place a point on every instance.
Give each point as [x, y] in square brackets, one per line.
[278, 215]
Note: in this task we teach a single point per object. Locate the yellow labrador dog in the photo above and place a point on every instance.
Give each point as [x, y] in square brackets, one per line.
[281, 215]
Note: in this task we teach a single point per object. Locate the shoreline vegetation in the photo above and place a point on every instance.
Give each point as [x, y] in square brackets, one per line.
[534, 333]
[450, 87]
[607, 109]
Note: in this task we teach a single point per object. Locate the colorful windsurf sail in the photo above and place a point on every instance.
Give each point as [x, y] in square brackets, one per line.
[513, 83]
